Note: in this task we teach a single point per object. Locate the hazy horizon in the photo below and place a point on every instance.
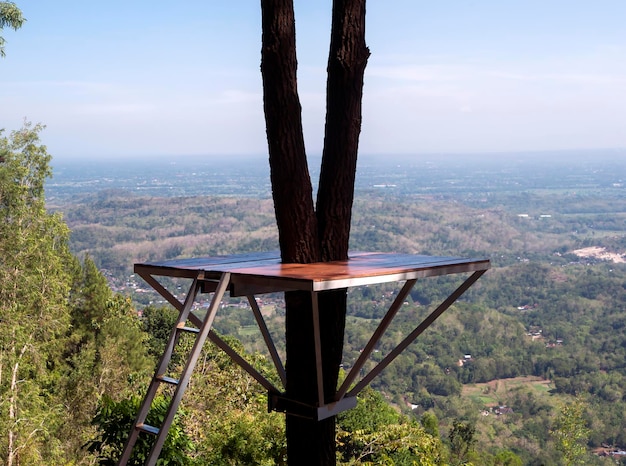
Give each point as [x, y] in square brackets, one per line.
[418, 174]
[230, 158]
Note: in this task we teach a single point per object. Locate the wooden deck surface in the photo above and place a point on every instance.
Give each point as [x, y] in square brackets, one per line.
[266, 270]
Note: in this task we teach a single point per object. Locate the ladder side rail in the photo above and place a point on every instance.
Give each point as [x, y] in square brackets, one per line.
[189, 366]
[269, 342]
[375, 338]
[161, 367]
[180, 322]
[417, 332]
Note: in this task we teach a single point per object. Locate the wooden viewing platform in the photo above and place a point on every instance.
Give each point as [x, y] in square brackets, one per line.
[265, 270]
[252, 274]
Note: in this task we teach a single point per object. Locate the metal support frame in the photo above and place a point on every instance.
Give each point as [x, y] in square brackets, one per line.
[317, 341]
[248, 285]
[345, 398]
[280, 368]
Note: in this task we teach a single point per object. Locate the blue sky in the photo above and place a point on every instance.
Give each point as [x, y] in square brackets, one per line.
[134, 78]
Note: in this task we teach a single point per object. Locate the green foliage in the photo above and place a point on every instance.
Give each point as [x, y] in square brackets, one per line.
[224, 396]
[372, 413]
[34, 285]
[105, 352]
[106, 338]
[65, 338]
[11, 16]
[462, 442]
[396, 444]
[507, 458]
[571, 432]
[244, 437]
[430, 423]
[374, 433]
[114, 420]
[157, 323]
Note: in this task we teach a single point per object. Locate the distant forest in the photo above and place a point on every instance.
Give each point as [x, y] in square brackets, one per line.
[541, 331]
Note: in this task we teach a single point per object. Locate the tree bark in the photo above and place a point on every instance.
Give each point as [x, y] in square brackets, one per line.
[344, 91]
[307, 234]
[289, 172]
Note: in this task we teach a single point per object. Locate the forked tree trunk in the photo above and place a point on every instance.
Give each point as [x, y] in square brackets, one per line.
[307, 234]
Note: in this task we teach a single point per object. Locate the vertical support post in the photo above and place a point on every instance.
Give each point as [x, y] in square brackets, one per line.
[318, 348]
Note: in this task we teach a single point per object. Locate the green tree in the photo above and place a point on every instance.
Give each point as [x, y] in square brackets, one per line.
[250, 437]
[507, 458]
[462, 441]
[34, 285]
[65, 338]
[107, 325]
[11, 16]
[430, 423]
[158, 322]
[374, 433]
[372, 413]
[224, 396]
[570, 432]
[105, 352]
[114, 420]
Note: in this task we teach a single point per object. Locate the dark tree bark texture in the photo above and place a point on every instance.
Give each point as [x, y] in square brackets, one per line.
[344, 90]
[309, 233]
[289, 173]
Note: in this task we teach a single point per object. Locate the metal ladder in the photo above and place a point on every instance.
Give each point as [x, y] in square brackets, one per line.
[181, 383]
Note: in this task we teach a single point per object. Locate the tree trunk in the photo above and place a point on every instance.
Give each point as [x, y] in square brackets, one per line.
[307, 235]
[344, 90]
[12, 446]
[289, 172]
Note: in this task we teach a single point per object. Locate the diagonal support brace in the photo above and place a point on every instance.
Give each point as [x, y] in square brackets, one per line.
[417, 332]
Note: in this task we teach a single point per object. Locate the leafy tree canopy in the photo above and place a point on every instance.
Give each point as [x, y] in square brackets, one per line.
[34, 286]
[11, 16]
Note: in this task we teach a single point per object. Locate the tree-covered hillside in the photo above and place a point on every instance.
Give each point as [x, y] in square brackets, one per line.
[543, 313]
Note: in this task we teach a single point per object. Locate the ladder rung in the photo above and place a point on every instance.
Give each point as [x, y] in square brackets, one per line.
[188, 329]
[166, 379]
[149, 429]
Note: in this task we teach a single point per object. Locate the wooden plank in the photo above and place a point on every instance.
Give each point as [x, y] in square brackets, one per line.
[344, 274]
[214, 265]
[264, 271]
